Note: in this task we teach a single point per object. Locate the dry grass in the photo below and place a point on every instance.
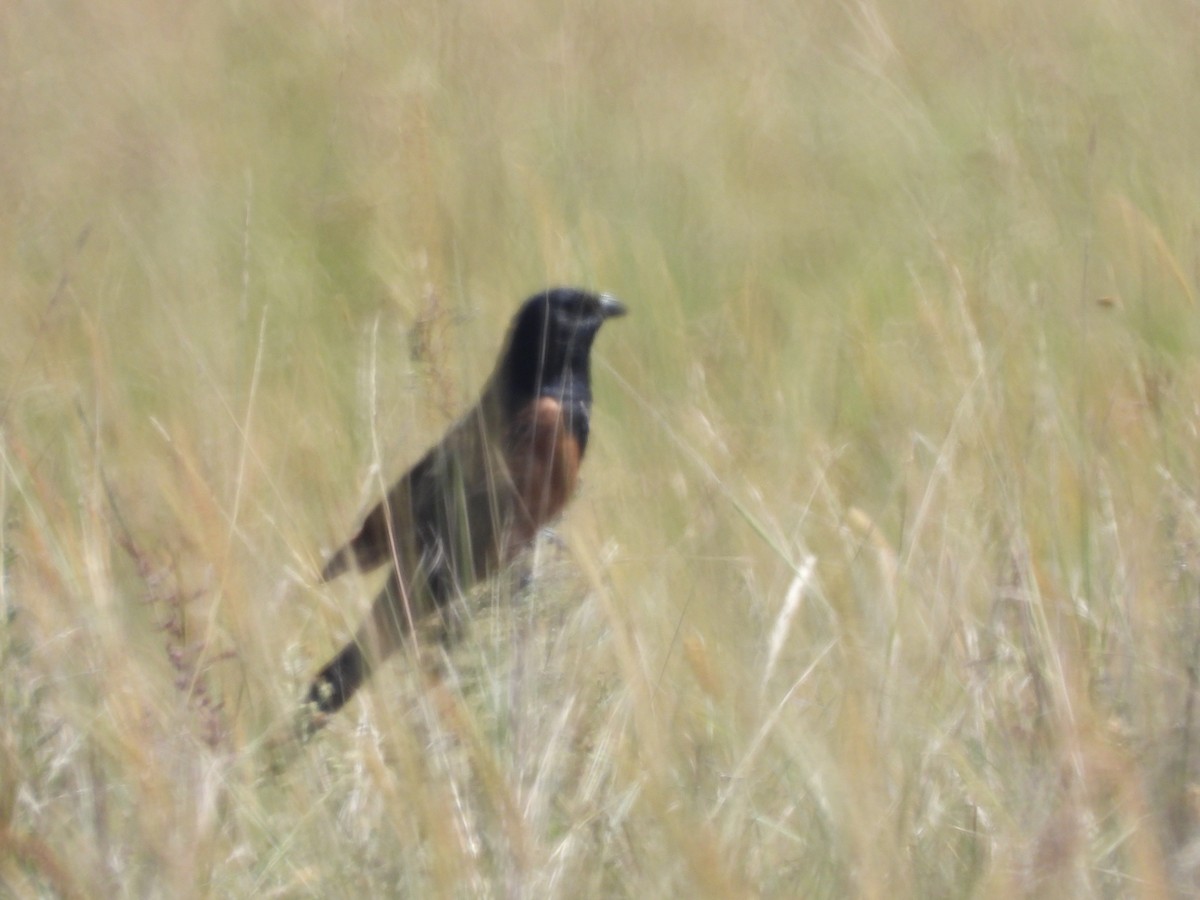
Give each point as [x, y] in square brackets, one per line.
[883, 579]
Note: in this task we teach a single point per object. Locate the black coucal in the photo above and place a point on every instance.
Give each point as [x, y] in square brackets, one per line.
[479, 497]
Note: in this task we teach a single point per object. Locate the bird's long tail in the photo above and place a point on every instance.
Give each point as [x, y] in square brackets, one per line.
[339, 679]
[377, 638]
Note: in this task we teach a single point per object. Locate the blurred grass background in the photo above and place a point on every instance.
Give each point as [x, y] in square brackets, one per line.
[883, 576]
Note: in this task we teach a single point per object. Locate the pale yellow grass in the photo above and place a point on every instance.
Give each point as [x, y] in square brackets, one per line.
[882, 581]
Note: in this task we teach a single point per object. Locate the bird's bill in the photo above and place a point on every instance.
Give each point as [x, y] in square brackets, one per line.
[611, 307]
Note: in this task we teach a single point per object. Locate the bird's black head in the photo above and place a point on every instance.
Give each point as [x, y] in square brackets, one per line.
[550, 344]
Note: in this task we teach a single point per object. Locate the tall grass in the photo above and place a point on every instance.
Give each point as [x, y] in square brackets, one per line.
[882, 580]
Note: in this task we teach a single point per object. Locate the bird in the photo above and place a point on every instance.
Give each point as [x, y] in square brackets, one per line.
[479, 497]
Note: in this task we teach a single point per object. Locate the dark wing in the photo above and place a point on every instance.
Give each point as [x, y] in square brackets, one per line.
[442, 519]
[388, 527]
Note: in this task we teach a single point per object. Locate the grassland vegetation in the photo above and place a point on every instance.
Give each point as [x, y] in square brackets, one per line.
[883, 577]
